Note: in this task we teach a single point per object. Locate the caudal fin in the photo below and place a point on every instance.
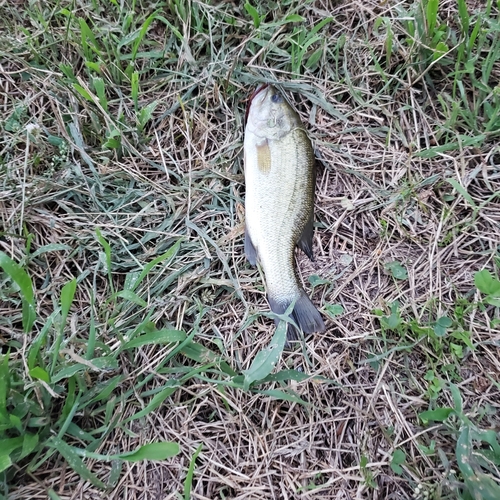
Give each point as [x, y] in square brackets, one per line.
[304, 314]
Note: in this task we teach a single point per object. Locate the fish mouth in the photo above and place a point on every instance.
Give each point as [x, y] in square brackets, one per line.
[258, 90]
[253, 95]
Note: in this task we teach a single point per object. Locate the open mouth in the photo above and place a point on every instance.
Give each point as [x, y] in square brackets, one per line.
[259, 89]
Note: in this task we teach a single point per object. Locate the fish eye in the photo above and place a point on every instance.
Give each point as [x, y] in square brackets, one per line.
[276, 98]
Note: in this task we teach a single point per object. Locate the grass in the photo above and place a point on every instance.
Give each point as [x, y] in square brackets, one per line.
[138, 358]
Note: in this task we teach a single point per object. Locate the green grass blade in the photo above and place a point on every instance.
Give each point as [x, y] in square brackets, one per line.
[40, 340]
[464, 17]
[203, 355]
[157, 337]
[175, 31]
[23, 281]
[30, 442]
[103, 363]
[130, 296]
[107, 253]
[4, 385]
[53, 495]
[169, 388]
[189, 477]
[74, 461]
[69, 411]
[461, 190]
[142, 33]
[146, 113]
[266, 360]
[283, 396]
[51, 247]
[67, 296]
[221, 256]
[7, 446]
[134, 88]
[437, 415]
[5, 462]
[40, 374]
[252, 11]
[92, 329]
[88, 40]
[101, 92]
[152, 451]
[83, 92]
[167, 257]
[104, 390]
[320, 25]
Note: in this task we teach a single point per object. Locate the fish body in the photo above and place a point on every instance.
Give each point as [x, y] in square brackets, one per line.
[279, 205]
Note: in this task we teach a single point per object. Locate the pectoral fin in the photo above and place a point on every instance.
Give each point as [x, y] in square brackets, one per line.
[305, 242]
[250, 251]
[264, 157]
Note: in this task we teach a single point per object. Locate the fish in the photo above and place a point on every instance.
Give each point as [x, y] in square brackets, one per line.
[280, 178]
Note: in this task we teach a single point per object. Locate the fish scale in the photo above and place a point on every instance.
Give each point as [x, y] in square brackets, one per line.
[280, 214]
[279, 177]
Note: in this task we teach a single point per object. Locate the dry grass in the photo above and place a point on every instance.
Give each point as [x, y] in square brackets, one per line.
[379, 200]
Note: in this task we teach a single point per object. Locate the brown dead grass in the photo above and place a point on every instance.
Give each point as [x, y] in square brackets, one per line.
[377, 202]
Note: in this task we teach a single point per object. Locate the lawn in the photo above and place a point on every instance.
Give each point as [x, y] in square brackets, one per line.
[138, 355]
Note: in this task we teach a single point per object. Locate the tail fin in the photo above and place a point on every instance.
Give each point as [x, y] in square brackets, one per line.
[304, 314]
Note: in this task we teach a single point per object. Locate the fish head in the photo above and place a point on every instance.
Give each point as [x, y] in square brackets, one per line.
[269, 115]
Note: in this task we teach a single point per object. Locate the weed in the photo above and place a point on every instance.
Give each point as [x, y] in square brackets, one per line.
[131, 327]
[42, 394]
[367, 473]
[477, 450]
[489, 286]
[301, 40]
[397, 270]
[397, 460]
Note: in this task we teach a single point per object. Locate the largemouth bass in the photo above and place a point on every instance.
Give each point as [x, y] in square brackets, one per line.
[279, 205]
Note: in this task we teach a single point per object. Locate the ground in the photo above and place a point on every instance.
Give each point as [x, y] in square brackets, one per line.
[122, 210]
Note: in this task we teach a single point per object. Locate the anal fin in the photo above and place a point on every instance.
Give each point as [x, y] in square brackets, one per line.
[305, 242]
